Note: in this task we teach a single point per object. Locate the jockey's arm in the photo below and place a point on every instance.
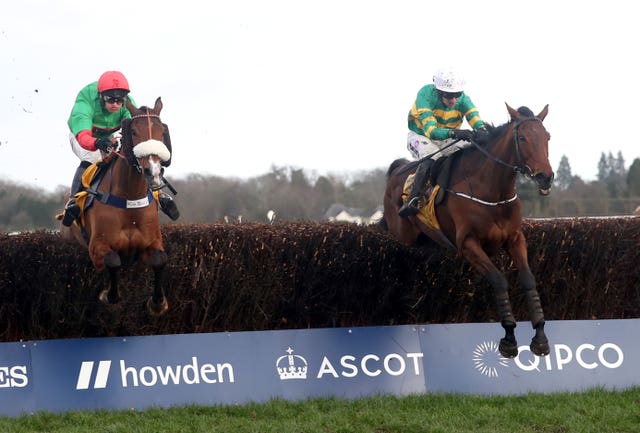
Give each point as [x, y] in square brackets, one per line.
[86, 140]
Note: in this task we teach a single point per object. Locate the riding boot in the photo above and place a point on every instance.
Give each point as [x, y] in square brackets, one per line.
[418, 189]
[168, 206]
[72, 210]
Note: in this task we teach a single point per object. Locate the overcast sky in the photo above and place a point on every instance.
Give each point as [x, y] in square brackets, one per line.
[324, 86]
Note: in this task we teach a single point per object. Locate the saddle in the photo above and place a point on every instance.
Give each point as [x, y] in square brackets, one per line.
[437, 185]
[91, 178]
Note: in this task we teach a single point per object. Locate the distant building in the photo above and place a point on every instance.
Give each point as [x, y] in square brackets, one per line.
[377, 214]
[340, 213]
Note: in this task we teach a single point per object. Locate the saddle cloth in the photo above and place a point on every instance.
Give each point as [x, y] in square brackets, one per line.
[428, 211]
[90, 180]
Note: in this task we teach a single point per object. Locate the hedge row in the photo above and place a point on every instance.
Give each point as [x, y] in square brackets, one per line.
[243, 277]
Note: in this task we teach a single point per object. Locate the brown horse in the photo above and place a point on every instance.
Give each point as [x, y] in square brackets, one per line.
[480, 212]
[121, 225]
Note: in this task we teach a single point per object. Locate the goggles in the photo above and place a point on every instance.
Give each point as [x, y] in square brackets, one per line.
[447, 95]
[113, 99]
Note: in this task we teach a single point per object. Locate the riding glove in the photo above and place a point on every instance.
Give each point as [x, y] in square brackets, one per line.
[103, 145]
[462, 134]
[481, 136]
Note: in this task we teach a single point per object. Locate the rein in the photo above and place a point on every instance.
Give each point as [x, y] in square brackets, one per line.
[119, 202]
[424, 158]
[519, 168]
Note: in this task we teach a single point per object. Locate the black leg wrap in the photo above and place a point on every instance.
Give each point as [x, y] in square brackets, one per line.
[508, 346]
[539, 343]
[504, 309]
[535, 307]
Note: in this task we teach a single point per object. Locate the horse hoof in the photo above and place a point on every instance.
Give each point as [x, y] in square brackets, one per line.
[508, 349]
[540, 348]
[156, 309]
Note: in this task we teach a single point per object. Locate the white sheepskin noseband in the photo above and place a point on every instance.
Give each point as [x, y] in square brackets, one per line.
[152, 147]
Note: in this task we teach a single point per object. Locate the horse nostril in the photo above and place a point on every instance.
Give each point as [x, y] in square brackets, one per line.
[543, 180]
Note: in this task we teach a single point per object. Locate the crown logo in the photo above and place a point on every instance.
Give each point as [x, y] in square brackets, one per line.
[291, 366]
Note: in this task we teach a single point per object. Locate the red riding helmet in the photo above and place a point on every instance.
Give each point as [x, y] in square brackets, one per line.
[112, 80]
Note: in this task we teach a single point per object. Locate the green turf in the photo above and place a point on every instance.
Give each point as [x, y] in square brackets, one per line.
[596, 411]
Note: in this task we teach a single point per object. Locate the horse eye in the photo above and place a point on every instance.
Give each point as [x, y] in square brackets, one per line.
[522, 138]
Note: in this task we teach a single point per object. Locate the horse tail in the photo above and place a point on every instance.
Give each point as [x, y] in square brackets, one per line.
[395, 164]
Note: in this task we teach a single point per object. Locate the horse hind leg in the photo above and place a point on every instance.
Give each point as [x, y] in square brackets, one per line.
[112, 262]
[157, 304]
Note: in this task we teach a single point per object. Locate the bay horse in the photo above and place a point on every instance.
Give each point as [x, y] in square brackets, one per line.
[480, 213]
[122, 225]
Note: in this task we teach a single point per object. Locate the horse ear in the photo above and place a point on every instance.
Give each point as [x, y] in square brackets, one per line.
[158, 106]
[513, 113]
[132, 108]
[543, 113]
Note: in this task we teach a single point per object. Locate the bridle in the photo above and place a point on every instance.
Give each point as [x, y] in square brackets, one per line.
[520, 166]
[164, 182]
[148, 116]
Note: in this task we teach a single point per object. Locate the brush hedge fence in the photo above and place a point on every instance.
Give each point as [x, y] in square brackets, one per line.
[245, 277]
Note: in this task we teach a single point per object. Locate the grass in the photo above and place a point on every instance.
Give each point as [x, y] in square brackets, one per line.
[596, 411]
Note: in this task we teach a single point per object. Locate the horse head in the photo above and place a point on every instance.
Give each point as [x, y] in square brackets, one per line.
[532, 146]
[145, 141]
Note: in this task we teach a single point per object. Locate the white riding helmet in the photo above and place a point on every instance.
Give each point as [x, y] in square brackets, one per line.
[448, 80]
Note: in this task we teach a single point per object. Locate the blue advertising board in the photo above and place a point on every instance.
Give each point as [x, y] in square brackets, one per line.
[584, 354]
[16, 392]
[241, 367]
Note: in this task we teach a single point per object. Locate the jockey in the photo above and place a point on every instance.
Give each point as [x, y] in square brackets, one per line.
[95, 123]
[434, 120]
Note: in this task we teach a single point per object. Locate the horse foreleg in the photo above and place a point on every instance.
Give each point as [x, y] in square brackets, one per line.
[157, 303]
[508, 345]
[539, 344]
[112, 262]
[479, 260]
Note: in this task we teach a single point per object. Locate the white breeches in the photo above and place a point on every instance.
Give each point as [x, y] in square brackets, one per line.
[421, 146]
[82, 153]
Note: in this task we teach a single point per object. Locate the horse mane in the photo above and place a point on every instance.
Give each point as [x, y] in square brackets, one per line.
[126, 141]
[525, 111]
